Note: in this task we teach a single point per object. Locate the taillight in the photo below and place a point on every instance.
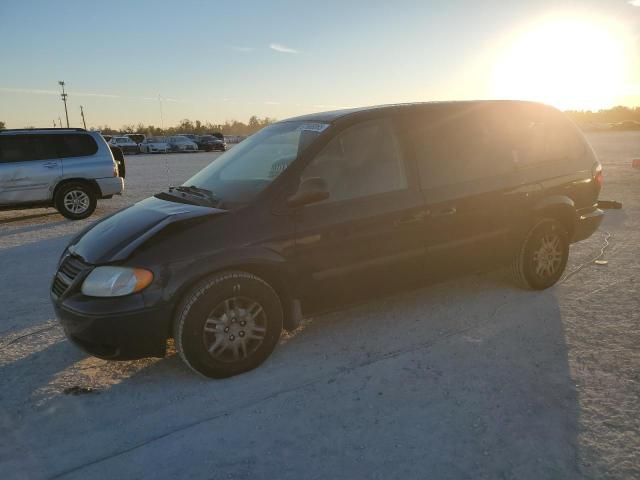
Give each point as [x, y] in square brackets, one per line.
[115, 169]
[598, 177]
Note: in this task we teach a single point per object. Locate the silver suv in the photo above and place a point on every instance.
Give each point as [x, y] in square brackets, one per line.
[68, 168]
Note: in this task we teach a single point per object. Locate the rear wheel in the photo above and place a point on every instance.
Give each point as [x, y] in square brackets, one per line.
[542, 258]
[228, 324]
[75, 200]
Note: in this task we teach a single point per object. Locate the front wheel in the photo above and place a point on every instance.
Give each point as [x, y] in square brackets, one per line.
[228, 324]
[75, 200]
[543, 255]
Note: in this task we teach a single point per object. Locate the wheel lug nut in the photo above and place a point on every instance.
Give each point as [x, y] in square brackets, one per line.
[241, 333]
[231, 337]
[243, 323]
[226, 329]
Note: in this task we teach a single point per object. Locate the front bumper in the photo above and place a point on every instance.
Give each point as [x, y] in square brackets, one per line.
[101, 329]
[110, 185]
[586, 224]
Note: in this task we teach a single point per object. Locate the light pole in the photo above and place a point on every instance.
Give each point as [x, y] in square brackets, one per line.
[82, 113]
[161, 116]
[64, 99]
[59, 121]
[54, 124]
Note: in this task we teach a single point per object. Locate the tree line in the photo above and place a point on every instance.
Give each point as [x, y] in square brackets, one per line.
[612, 115]
[234, 127]
[230, 127]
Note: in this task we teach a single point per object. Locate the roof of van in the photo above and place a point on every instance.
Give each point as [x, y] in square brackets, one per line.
[331, 116]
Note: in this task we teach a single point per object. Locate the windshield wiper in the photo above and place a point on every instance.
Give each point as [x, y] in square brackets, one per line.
[198, 192]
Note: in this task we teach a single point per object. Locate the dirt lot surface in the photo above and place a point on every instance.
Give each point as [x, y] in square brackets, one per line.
[471, 378]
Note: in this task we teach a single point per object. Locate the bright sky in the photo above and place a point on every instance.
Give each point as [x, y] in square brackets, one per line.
[219, 60]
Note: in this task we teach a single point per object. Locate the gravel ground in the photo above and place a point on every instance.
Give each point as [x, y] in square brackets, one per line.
[471, 378]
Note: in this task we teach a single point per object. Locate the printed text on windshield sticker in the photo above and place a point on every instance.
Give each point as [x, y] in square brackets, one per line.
[313, 127]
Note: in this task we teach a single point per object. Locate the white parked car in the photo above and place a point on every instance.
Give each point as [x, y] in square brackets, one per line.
[178, 143]
[154, 145]
[125, 144]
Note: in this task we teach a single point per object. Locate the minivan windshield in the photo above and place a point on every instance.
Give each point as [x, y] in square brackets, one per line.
[238, 175]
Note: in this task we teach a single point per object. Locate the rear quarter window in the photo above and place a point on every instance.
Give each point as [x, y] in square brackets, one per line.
[544, 135]
[76, 145]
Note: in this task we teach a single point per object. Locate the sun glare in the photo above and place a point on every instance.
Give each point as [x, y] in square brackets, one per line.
[568, 63]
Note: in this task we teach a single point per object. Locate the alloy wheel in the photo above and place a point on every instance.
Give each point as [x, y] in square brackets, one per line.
[76, 201]
[547, 259]
[235, 329]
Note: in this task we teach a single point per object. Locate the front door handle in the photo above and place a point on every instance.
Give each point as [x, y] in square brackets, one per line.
[50, 164]
[445, 212]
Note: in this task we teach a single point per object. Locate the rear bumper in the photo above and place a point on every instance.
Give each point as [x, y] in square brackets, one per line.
[110, 186]
[586, 224]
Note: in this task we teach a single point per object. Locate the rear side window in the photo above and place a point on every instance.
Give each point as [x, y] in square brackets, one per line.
[458, 147]
[76, 145]
[25, 148]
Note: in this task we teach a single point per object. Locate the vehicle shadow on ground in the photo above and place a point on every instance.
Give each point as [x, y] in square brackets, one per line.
[462, 379]
[24, 217]
[31, 228]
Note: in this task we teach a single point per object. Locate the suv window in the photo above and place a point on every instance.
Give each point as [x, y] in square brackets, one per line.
[460, 147]
[75, 145]
[363, 160]
[25, 148]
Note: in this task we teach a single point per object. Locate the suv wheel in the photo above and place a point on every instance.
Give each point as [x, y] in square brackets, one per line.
[75, 200]
[228, 324]
[542, 258]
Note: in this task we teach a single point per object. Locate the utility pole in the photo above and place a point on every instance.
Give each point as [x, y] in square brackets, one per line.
[82, 113]
[54, 124]
[64, 99]
[59, 121]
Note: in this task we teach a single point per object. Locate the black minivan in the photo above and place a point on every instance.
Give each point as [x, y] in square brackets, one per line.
[323, 204]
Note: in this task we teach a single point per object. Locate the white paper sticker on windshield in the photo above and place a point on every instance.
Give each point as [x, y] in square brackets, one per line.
[313, 127]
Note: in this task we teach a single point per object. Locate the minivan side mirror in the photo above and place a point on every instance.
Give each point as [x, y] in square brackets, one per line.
[311, 190]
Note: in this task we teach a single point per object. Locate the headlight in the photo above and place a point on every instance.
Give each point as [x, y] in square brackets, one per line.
[116, 281]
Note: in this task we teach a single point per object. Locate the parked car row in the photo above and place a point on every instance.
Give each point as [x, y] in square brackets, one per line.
[135, 143]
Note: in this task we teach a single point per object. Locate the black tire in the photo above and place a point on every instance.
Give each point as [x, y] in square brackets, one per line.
[66, 195]
[537, 265]
[213, 311]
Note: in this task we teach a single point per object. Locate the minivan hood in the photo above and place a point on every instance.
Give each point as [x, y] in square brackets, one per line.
[117, 236]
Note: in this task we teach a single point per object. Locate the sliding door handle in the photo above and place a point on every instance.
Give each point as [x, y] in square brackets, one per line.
[413, 218]
[445, 212]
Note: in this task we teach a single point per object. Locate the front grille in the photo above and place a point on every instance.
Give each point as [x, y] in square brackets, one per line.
[70, 268]
[58, 288]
